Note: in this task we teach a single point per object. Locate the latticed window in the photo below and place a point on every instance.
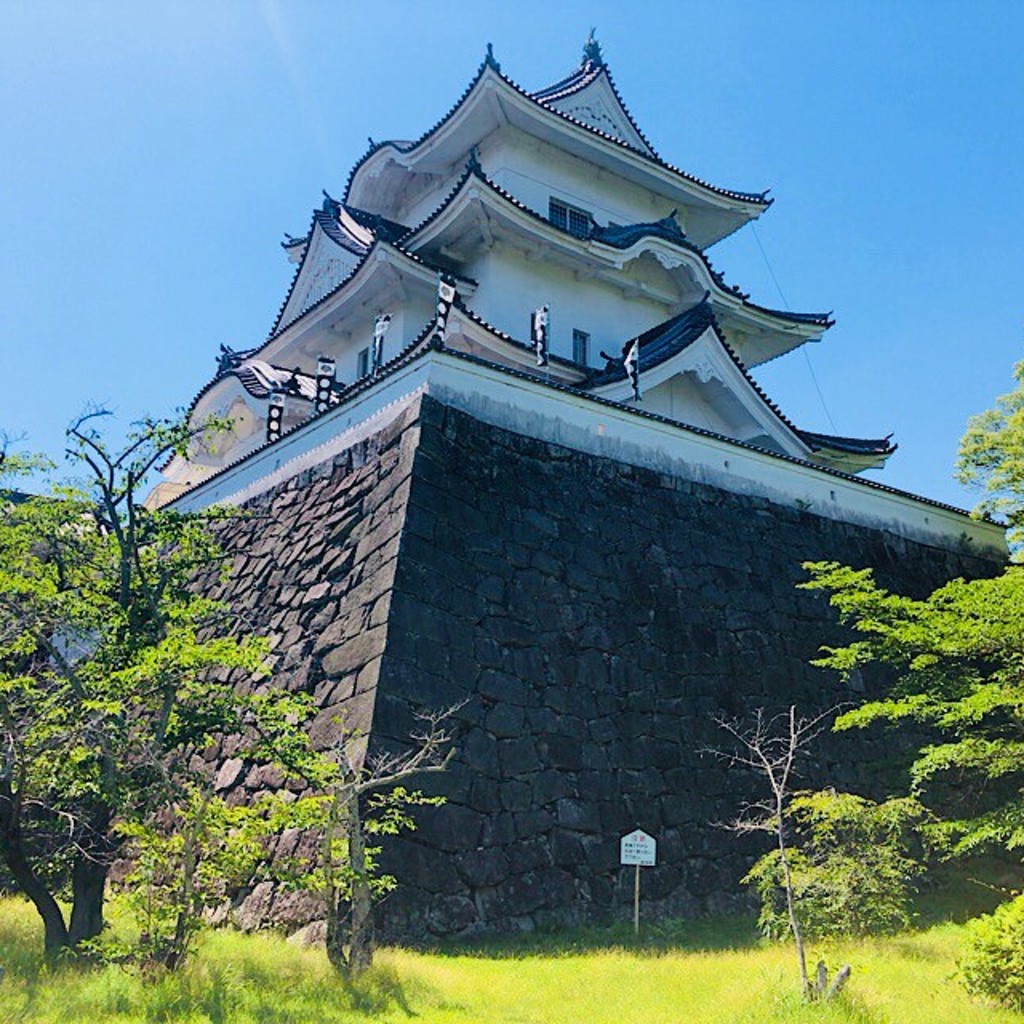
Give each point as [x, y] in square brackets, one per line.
[580, 346]
[570, 218]
[363, 362]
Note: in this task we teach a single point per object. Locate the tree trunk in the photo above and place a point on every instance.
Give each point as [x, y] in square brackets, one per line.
[335, 937]
[360, 953]
[89, 877]
[88, 886]
[55, 932]
[794, 923]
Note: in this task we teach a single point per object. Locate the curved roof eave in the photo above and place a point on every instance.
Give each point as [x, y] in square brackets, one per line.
[417, 348]
[709, 324]
[882, 447]
[393, 250]
[402, 253]
[820, 321]
[411, 351]
[489, 70]
[321, 226]
[703, 432]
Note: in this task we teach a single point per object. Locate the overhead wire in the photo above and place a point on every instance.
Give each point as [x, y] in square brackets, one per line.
[786, 306]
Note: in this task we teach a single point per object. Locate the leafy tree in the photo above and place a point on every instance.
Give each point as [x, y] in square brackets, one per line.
[992, 457]
[958, 660]
[363, 799]
[191, 858]
[113, 673]
[851, 870]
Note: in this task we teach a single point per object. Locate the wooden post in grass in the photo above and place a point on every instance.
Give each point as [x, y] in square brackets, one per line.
[636, 900]
[640, 850]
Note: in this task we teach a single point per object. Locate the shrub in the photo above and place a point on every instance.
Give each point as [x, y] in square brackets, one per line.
[850, 865]
[992, 962]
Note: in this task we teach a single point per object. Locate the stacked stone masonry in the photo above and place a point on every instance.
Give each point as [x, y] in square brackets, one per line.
[593, 619]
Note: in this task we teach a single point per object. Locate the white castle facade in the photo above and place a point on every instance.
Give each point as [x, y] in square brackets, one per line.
[585, 313]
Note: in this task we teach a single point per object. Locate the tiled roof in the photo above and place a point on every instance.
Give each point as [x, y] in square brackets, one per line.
[403, 358]
[619, 237]
[280, 327]
[759, 198]
[260, 378]
[577, 80]
[666, 339]
[660, 343]
[642, 413]
[416, 348]
[384, 229]
[337, 232]
[854, 445]
[622, 236]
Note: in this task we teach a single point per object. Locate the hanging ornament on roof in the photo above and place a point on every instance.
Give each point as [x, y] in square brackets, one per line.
[275, 416]
[539, 320]
[381, 323]
[631, 364]
[325, 382]
[445, 300]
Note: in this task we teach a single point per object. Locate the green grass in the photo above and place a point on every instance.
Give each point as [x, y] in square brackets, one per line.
[706, 972]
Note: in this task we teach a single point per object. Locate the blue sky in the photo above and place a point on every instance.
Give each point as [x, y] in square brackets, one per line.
[153, 154]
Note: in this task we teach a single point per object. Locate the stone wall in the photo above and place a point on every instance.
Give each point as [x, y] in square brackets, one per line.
[594, 618]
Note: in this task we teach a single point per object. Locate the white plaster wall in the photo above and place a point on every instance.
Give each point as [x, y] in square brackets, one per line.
[342, 339]
[533, 171]
[418, 206]
[682, 398]
[511, 286]
[527, 407]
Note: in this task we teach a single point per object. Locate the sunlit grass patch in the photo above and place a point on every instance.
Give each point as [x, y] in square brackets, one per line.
[712, 972]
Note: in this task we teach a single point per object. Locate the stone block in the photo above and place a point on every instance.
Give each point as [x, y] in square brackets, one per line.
[449, 915]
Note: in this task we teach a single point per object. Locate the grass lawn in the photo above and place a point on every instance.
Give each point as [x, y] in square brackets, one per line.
[704, 972]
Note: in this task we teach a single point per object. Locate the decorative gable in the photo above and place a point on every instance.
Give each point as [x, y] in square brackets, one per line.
[597, 115]
[589, 96]
[325, 265]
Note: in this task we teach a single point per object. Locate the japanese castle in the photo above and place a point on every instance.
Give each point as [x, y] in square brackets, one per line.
[532, 260]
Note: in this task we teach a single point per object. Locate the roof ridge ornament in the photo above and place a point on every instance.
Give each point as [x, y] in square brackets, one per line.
[491, 60]
[592, 51]
[473, 165]
[230, 359]
[331, 205]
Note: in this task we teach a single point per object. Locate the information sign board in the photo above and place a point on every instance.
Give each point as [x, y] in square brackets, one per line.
[638, 848]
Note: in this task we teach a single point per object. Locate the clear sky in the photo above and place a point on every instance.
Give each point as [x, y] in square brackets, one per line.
[152, 155]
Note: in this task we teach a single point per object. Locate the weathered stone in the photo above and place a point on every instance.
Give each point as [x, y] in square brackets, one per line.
[449, 915]
[483, 866]
[228, 773]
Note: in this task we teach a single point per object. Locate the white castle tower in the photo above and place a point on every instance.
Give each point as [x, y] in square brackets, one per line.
[585, 311]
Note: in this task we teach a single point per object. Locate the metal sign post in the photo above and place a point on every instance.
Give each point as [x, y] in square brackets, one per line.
[640, 850]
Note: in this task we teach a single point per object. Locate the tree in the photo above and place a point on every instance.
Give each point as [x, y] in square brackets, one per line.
[114, 674]
[957, 656]
[958, 661]
[770, 747]
[191, 858]
[992, 457]
[343, 871]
